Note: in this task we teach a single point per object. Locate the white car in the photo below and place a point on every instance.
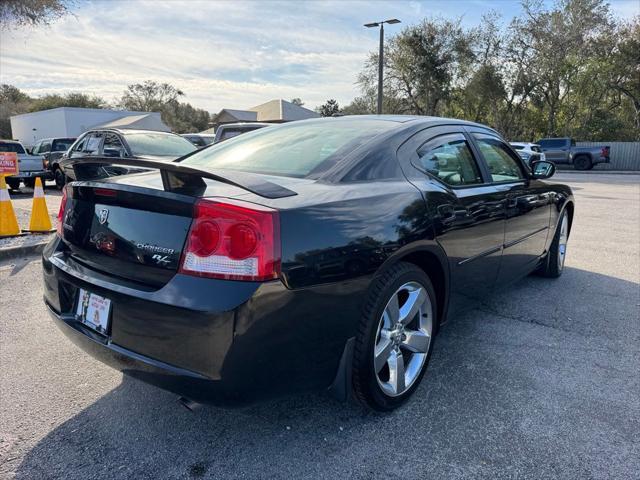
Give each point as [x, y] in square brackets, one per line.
[529, 152]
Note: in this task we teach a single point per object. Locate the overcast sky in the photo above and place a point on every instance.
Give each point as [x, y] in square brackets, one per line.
[221, 54]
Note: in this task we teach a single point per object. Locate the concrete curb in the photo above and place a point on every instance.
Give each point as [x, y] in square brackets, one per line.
[23, 250]
[599, 172]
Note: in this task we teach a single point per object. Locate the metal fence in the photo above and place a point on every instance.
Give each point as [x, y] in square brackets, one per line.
[624, 155]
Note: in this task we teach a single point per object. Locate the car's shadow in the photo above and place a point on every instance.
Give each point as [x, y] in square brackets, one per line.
[509, 386]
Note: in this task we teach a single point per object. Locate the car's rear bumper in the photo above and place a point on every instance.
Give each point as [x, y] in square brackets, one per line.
[43, 174]
[213, 341]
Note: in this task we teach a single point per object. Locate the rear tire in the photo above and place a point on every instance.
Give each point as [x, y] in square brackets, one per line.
[582, 162]
[59, 178]
[554, 265]
[13, 183]
[395, 337]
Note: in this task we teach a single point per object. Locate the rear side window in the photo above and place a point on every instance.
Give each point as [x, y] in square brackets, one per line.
[62, 144]
[552, 143]
[113, 146]
[503, 166]
[11, 147]
[295, 149]
[158, 144]
[518, 147]
[449, 158]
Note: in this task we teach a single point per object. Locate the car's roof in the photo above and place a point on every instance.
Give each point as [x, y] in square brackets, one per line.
[244, 124]
[56, 138]
[525, 144]
[125, 131]
[9, 141]
[406, 119]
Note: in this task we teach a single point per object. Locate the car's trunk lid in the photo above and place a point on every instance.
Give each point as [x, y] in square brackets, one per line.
[135, 234]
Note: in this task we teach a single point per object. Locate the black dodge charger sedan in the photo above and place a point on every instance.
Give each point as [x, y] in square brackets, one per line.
[320, 254]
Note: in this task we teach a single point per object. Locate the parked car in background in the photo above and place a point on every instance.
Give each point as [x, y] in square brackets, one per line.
[125, 143]
[200, 140]
[29, 166]
[230, 130]
[316, 254]
[563, 150]
[529, 152]
[52, 150]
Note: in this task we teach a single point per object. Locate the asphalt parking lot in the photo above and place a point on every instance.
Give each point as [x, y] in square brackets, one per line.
[540, 381]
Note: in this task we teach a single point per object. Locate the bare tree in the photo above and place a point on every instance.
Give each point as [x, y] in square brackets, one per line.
[17, 13]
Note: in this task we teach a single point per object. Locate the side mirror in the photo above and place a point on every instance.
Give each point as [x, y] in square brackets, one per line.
[542, 169]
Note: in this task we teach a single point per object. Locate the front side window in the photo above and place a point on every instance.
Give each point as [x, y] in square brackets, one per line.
[449, 158]
[79, 147]
[503, 167]
[92, 147]
[293, 149]
[45, 147]
[158, 144]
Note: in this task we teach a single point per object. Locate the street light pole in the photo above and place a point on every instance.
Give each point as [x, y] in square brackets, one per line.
[381, 57]
[380, 68]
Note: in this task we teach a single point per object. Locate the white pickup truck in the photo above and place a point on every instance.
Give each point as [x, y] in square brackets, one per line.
[29, 166]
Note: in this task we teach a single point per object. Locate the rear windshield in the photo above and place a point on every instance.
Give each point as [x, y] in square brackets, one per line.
[291, 150]
[62, 144]
[158, 144]
[11, 147]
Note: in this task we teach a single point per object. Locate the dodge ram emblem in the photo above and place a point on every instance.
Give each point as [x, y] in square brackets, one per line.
[103, 215]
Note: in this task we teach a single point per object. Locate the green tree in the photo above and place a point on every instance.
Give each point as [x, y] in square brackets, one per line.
[13, 101]
[149, 96]
[422, 63]
[73, 99]
[329, 109]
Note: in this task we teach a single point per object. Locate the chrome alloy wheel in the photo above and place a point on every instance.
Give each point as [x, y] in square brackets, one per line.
[403, 339]
[562, 241]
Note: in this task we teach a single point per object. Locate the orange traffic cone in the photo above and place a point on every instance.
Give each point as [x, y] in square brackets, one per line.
[8, 221]
[40, 221]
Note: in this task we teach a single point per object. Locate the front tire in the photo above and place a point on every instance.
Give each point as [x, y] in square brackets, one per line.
[395, 337]
[554, 265]
[13, 183]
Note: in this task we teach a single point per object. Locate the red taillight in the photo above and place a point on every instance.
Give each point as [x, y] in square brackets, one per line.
[233, 240]
[605, 151]
[63, 205]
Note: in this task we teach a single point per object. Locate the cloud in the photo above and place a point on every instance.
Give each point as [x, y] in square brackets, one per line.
[221, 54]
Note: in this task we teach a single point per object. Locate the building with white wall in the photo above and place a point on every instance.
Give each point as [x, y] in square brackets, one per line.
[71, 122]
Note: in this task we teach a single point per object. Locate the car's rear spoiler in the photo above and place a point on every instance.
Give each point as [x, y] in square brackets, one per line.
[176, 177]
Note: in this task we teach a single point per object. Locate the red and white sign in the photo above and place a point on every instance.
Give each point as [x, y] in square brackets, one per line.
[8, 163]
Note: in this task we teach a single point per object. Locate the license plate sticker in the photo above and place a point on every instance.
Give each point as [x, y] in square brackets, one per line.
[93, 311]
